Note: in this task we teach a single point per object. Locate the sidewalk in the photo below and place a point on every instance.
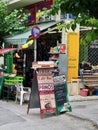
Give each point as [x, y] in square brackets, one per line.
[85, 108]
[14, 116]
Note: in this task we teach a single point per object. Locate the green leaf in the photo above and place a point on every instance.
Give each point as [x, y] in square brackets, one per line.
[68, 26]
[73, 27]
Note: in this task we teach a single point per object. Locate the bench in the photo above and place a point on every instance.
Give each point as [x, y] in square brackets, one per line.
[90, 82]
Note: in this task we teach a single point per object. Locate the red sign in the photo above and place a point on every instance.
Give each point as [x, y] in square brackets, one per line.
[35, 32]
[43, 64]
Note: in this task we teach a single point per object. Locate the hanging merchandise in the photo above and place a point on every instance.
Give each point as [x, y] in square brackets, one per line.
[28, 44]
[62, 48]
[10, 64]
[16, 55]
[18, 63]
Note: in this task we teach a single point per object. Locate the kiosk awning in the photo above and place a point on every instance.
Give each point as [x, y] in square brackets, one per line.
[21, 38]
[6, 50]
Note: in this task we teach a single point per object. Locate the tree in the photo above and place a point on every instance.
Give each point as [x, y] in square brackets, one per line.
[83, 7]
[10, 22]
[85, 12]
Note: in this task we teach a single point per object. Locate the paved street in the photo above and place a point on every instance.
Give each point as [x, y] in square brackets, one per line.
[84, 116]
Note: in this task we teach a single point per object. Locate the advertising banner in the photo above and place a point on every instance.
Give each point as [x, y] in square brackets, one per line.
[37, 12]
[73, 54]
[46, 93]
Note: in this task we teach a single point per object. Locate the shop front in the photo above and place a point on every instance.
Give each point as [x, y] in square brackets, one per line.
[8, 68]
[49, 50]
[50, 38]
[46, 40]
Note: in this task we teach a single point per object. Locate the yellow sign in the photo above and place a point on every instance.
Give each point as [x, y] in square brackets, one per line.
[73, 54]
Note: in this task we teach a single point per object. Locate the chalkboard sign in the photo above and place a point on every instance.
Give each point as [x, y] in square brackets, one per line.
[61, 93]
[34, 97]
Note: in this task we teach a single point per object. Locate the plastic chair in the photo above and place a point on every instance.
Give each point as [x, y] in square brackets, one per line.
[22, 93]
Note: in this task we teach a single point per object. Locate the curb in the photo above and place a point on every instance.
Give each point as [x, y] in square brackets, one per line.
[81, 98]
[86, 119]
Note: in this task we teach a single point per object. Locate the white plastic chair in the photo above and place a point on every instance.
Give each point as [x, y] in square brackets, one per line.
[22, 93]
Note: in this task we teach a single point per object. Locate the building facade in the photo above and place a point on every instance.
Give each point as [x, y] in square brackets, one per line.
[48, 26]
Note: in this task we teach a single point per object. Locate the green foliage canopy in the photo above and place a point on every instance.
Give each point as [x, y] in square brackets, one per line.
[76, 7]
[11, 22]
[85, 12]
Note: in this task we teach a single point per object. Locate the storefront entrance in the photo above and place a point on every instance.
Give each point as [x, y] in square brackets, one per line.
[44, 43]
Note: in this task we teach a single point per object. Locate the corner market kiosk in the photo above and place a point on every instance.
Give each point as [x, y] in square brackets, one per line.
[49, 92]
[49, 88]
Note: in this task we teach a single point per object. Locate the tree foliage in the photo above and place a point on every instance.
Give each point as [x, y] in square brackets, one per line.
[83, 7]
[85, 12]
[11, 22]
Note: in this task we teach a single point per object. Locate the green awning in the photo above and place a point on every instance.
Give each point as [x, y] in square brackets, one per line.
[21, 38]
